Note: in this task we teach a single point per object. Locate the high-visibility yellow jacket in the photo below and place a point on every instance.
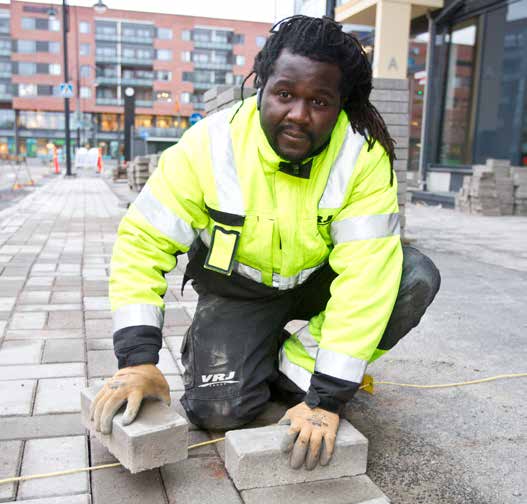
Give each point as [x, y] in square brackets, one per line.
[223, 183]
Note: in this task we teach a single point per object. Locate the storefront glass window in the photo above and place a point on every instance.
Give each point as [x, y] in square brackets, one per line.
[109, 122]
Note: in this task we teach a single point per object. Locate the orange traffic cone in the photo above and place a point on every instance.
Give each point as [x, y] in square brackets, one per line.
[56, 161]
[99, 161]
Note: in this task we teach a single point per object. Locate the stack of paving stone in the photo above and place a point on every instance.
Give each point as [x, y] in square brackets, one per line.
[154, 160]
[489, 191]
[519, 179]
[140, 171]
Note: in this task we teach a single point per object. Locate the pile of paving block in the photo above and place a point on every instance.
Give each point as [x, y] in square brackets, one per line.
[253, 459]
[494, 189]
[140, 169]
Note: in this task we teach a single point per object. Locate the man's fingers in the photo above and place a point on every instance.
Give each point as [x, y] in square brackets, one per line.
[113, 403]
[132, 408]
[288, 441]
[99, 408]
[285, 420]
[298, 456]
[313, 454]
[328, 445]
[98, 397]
[165, 397]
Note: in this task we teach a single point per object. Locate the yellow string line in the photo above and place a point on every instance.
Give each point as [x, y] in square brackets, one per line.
[93, 468]
[446, 385]
[212, 441]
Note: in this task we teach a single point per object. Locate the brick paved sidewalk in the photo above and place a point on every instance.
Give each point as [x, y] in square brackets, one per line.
[55, 336]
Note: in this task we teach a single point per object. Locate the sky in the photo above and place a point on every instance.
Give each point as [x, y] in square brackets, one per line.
[250, 10]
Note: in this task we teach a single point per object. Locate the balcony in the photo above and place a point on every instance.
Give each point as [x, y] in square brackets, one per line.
[161, 132]
[107, 37]
[109, 101]
[104, 58]
[212, 66]
[136, 61]
[203, 85]
[5, 97]
[201, 44]
[5, 75]
[5, 51]
[198, 106]
[137, 82]
[144, 103]
[134, 39]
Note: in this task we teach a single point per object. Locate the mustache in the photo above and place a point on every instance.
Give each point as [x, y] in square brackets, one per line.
[295, 130]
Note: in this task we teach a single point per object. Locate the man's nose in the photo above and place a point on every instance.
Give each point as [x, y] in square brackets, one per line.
[299, 112]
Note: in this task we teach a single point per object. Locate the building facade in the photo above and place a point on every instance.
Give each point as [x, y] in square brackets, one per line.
[169, 60]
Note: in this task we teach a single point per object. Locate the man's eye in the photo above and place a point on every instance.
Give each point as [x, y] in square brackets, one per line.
[319, 102]
[284, 94]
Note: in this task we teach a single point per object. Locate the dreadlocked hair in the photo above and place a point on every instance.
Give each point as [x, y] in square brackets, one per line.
[322, 39]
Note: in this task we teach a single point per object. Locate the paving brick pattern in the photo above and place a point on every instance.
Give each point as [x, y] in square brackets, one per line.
[56, 338]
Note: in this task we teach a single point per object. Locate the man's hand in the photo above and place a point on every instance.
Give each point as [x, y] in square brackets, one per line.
[130, 384]
[314, 431]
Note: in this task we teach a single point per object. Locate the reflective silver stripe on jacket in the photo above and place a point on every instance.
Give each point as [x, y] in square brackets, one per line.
[340, 365]
[279, 281]
[164, 219]
[340, 173]
[298, 375]
[309, 343]
[365, 227]
[136, 315]
[230, 196]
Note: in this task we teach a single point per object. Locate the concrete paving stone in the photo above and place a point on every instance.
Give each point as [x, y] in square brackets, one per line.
[166, 363]
[7, 303]
[34, 297]
[65, 320]
[118, 485]
[63, 351]
[99, 454]
[213, 485]
[175, 330]
[3, 325]
[99, 344]
[44, 267]
[98, 315]
[48, 307]
[354, 490]
[36, 371]
[69, 268]
[175, 381]
[66, 297]
[15, 271]
[40, 281]
[174, 344]
[10, 454]
[176, 317]
[5, 258]
[43, 334]
[20, 352]
[68, 281]
[69, 499]
[99, 328]
[17, 397]
[58, 395]
[101, 363]
[50, 455]
[28, 320]
[254, 460]
[156, 437]
[200, 436]
[96, 303]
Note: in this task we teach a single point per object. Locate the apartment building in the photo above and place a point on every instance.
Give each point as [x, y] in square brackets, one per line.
[169, 60]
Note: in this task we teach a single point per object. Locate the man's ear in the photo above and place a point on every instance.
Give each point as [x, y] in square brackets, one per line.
[258, 98]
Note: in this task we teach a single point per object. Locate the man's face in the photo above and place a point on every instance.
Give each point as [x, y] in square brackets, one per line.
[300, 105]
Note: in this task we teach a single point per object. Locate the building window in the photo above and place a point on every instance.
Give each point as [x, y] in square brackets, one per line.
[84, 27]
[109, 122]
[164, 75]
[28, 23]
[84, 49]
[164, 54]
[5, 44]
[240, 60]
[54, 47]
[54, 69]
[144, 121]
[185, 56]
[163, 96]
[85, 92]
[164, 33]
[25, 90]
[185, 97]
[54, 25]
[85, 71]
[185, 35]
[260, 41]
[44, 90]
[26, 46]
[26, 68]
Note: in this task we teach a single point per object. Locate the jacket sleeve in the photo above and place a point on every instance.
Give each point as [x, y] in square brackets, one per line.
[367, 257]
[159, 225]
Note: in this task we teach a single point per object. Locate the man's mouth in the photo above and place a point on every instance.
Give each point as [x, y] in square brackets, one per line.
[294, 134]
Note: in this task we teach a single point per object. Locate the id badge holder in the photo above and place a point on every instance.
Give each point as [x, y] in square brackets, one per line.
[223, 246]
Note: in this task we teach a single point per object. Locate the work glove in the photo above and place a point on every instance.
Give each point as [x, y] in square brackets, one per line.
[311, 436]
[130, 384]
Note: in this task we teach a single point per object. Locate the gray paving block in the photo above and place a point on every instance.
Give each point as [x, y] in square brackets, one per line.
[354, 490]
[62, 350]
[34, 297]
[175, 382]
[117, 486]
[200, 436]
[29, 427]
[212, 486]
[176, 317]
[68, 499]
[253, 457]
[10, 452]
[33, 371]
[166, 363]
[65, 319]
[66, 297]
[99, 328]
[16, 397]
[100, 344]
[50, 455]
[98, 314]
[101, 363]
[156, 437]
[96, 303]
[99, 453]
[7, 303]
[28, 320]
[58, 395]
[43, 334]
[20, 352]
